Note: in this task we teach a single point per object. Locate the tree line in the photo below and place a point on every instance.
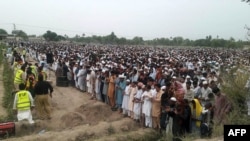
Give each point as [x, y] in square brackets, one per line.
[112, 39]
[172, 41]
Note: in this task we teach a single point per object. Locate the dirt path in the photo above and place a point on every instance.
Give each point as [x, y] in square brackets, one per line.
[3, 112]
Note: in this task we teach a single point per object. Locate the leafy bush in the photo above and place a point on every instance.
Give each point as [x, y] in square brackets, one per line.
[8, 86]
[237, 94]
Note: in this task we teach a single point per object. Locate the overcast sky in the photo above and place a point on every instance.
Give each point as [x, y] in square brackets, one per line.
[149, 19]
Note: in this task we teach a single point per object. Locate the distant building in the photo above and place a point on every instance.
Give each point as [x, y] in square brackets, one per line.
[36, 39]
[12, 37]
[3, 36]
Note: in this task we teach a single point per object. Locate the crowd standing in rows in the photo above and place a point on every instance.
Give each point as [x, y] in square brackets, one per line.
[171, 89]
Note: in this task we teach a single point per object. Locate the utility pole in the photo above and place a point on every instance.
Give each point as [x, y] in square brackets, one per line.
[14, 26]
[14, 30]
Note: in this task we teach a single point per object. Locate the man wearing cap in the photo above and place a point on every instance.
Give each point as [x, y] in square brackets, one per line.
[165, 98]
[137, 102]
[125, 110]
[92, 80]
[75, 71]
[120, 88]
[147, 106]
[156, 107]
[189, 95]
[133, 91]
[81, 76]
[169, 120]
[111, 90]
[205, 91]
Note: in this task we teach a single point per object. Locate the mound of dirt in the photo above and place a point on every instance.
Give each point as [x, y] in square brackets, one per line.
[96, 112]
[72, 119]
[83, 137]
[90, 113]
[24, 128]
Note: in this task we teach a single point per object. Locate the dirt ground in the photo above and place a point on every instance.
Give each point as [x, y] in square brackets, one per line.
[77, 118]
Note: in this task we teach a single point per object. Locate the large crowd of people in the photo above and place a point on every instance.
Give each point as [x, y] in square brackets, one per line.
[171, 89]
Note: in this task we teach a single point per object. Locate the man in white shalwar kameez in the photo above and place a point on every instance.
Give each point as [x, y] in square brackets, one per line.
[23, 104]
[92, 80]
[75, 68]
[81, 78]
[147, 106]
[125, 100]
[137, 102]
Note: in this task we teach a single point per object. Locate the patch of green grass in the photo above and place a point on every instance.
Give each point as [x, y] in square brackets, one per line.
[238, 95]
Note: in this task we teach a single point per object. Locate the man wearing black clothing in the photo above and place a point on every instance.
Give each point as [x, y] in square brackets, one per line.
[187, 116]
[42, 91]
[164, 103]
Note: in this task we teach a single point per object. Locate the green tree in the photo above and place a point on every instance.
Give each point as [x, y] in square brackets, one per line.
[177, 40]
[2, 31]
[66, 36]
[111, 39]
[60, 37]
[247, 1]
[122, 41]
[137, 40]
[20, 33]
[50, 36]
[77, 36]
[187, 42]
[208, 41]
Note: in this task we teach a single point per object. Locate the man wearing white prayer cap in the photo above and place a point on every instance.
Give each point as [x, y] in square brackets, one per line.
[173, 99]
[205, 91]
[163, 88]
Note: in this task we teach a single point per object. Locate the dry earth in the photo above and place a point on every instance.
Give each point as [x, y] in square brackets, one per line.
[77, 118]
